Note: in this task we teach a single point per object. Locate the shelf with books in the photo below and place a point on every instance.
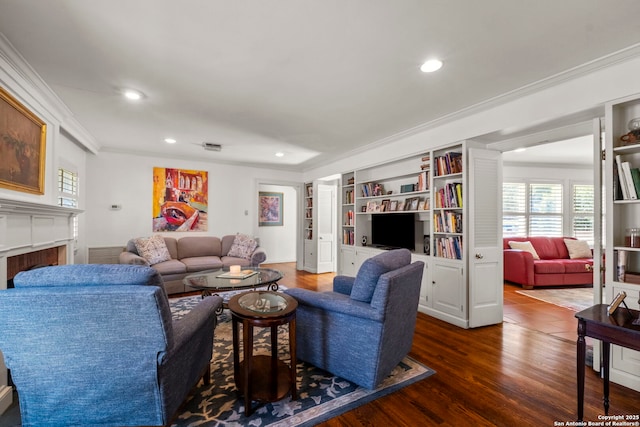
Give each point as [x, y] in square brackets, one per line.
[347, 210]
[308, 211]
[622, 246]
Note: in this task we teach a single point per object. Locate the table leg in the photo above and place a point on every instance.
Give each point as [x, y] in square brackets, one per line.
[236, 350]
[606, 351]
[581, 349]
[294, 360]
[274, 360]
[247, 331]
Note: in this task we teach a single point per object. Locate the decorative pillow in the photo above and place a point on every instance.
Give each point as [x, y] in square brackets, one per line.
[578, 248]
[366, 280]
[242, 247]
[525, 246]
[153, 249]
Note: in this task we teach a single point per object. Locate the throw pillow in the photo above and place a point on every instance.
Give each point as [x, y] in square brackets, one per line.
[366, 280]
[242, 247]
[153, 249]
[578, 248]
[524, 246]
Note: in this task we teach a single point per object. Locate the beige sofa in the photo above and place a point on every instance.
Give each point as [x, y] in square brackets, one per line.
[191, 254]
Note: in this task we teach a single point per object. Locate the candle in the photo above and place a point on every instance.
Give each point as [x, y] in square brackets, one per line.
[235, 269]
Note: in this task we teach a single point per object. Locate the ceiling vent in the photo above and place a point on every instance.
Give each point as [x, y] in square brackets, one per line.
[210, 146]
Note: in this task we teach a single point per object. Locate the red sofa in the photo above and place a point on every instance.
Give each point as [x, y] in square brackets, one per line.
[554, 268]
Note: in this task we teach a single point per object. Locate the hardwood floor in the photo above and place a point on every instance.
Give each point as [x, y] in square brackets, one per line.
[522, 372]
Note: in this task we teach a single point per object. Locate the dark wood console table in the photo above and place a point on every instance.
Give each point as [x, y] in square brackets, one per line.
[617, 329]
[261, 377]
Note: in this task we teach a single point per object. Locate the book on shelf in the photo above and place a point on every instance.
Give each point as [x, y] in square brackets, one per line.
[348, 218]
[448, 164]
[631, 189]
[348, 237]
[423, 181]
[635, 175]
[621, 178]
[372, 189]
[449, 196]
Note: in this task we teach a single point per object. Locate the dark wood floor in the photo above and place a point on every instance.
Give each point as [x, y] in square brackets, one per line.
[521, 372]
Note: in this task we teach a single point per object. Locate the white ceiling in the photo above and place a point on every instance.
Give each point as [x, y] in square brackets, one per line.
[575, 151]
[314, 79]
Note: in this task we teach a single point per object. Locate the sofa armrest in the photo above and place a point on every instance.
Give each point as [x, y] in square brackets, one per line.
[518, 267]
[131, 258]
[194, 321]
[335, 302]
[343, 284]
[258, 256]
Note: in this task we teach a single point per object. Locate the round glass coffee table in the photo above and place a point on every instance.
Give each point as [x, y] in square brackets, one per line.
[262, 377]
[212, 282]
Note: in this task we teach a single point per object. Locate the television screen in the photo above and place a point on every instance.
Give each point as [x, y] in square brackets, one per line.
[396, 230]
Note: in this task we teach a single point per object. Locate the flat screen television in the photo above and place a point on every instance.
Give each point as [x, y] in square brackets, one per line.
[395, 230]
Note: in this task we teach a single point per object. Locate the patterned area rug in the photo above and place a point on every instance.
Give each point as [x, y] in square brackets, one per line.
[576, 299]
[320, 395]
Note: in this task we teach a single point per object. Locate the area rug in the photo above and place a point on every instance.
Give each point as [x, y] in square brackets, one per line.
[321, 396]
[576, 299]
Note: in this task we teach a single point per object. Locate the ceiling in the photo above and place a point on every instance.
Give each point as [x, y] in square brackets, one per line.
[314, 80]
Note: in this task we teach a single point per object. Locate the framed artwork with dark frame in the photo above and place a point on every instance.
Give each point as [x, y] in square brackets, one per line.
[22, 147]
[270, 209]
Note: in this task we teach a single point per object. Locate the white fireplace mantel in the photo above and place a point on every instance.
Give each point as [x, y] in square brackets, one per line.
[27, 227]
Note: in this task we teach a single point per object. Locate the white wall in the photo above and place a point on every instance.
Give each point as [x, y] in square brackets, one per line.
[127, 180]
[280, 242]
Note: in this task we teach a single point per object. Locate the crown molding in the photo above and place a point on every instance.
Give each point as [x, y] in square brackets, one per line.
[28, 84]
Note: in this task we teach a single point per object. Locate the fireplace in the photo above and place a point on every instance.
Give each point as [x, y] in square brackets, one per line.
[42, 258]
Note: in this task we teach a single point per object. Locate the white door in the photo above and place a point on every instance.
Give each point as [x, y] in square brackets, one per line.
[485, 237]
[598, 282]
[326, 251]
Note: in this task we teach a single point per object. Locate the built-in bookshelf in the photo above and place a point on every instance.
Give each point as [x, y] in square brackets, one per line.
[348, 217]
[448, 204]
[622, 247]
[430, 189]
[308, 211]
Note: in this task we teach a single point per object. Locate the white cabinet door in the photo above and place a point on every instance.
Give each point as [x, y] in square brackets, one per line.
[448, 287]
[426, 286]
[310, 255]
[484, 237]
[348, 261]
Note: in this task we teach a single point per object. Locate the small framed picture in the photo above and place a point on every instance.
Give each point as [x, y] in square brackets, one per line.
[363, 208]
[414, 204]
[400, 205]
[421, 205]
[385, 205]
[393, 206]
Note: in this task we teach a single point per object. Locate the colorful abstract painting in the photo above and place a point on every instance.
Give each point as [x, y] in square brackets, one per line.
[180, 199]
[270, 208]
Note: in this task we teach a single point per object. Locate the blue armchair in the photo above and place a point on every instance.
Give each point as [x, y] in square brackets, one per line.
[95, 345]
[364, 328]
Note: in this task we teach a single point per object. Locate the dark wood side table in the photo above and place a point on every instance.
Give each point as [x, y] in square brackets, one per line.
[615, 329]
[263, 378]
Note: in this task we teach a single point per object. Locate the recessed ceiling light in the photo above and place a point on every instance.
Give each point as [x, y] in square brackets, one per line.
[431, 65]
[279, 154]
[170, 140]
[133, 95]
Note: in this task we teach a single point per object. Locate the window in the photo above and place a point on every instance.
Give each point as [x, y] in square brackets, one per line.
[545, 209]
[514, 209]
[539, 209]
[582, 212]
[68, 193]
